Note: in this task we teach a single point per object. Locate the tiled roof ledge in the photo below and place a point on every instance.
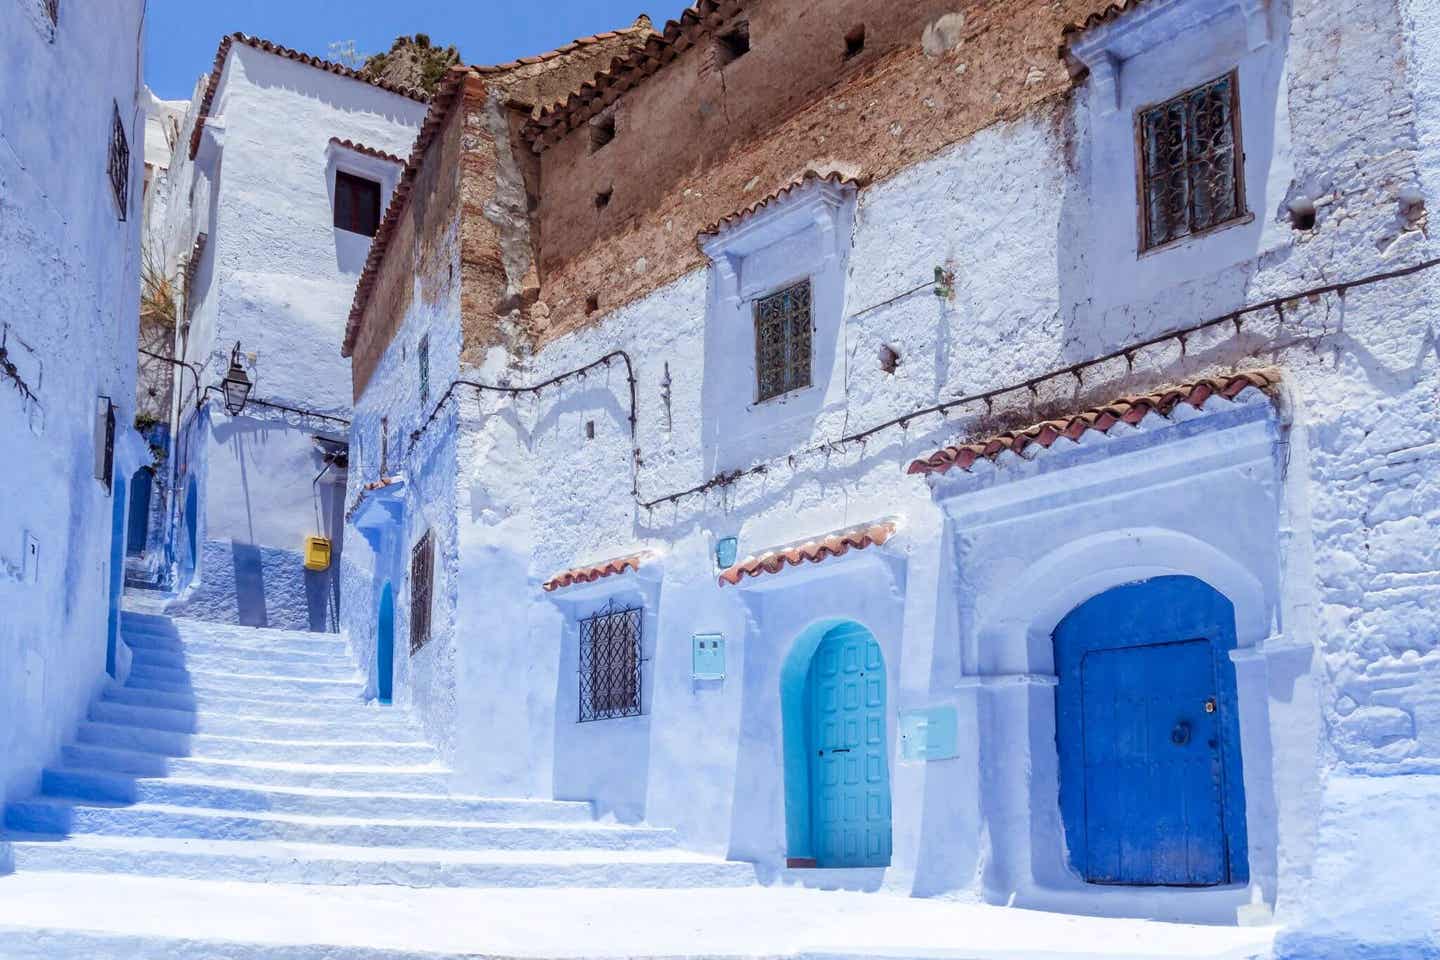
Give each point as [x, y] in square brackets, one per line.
[616, 567]
[805, 553]
[834, 183]
[1173, 404]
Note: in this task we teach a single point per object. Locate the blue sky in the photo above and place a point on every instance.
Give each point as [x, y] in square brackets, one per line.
[181, 35]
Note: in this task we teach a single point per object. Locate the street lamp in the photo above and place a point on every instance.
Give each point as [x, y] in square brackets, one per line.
[236, 385]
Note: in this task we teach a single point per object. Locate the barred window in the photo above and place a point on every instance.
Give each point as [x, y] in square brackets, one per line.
[424, 361]
[422, 574]
[782, 341]
[119, 165]
[1190, 166]
[610, 663]
[52, 10]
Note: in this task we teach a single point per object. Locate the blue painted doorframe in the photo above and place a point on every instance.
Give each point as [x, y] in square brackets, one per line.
[1151, 788]
[385, 647]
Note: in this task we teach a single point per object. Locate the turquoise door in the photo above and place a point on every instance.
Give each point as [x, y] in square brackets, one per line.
[385, 647]
[849, 777]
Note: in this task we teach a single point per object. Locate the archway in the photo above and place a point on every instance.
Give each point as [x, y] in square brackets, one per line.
[837, 781]
[1148, 735]
[385, 647]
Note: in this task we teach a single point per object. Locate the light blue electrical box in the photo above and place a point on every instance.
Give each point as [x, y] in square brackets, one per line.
[929, 734]
[707, 657]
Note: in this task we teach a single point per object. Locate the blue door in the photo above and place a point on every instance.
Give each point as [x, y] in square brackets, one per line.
[1150, 779]
[385, 647]
[849, 777]
[138, 527]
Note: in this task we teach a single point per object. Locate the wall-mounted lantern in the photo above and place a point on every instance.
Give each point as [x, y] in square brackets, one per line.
[725, 552]
[236, 384]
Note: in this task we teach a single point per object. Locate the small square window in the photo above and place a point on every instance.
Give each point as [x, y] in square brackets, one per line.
[610, 663]
[602, 131]
[1190, 163]
[855, 42]
[602, 198]
[357, 204]
[782, 341]
[733, 44]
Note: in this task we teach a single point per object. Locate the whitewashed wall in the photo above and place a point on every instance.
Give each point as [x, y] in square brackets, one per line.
[69, 280]
[277, 277]
[1339, 529]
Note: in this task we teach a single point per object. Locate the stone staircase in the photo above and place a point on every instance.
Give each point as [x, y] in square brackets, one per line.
[234, 753]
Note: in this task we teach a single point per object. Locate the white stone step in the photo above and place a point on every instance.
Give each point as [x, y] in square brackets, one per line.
[427, 778]
[205, 746]
[371, 725]
[248, 685]
[282, 706]
[107, 785]
[48, 815]
[273, 862]
[237, 660]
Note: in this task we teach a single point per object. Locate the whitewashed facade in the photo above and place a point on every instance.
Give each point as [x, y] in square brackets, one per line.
[249, 228]
[70, 114]
[1308, 502]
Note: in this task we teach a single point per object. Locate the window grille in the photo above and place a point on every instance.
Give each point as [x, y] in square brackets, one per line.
[105, 443]
[52, 10]
[610, 663]
[119, 162]
[422, 574]
[1190, 163]
[424, 360]
[357, 204]
[782, 341]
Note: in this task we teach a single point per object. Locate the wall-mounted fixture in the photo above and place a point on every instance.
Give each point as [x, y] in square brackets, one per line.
[931, 733]
[317, 553]
[725, 552]
[707, 657]
[236, 385]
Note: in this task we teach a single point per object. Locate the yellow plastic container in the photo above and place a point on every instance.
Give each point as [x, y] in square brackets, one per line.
[317, 553]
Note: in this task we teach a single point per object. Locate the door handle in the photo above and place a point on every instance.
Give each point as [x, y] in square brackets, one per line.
[1181, 734]
[1210, 705]
[841, 750]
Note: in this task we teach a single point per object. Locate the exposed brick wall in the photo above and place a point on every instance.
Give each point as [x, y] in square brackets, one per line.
[417, 251]
[698, 141]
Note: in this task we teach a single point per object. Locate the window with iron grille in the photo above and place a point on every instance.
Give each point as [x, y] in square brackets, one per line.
[357, 204]
[1190, 163]
[424, 359]
[52, 10]
[422, 575]
[782, 341]
[105, 443]
[119, 162]
[610, 663]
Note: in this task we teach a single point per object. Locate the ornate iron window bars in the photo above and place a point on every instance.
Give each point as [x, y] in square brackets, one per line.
[52, 10]
[119, 162]
[610, 663]
[782, 341]
[423, 358]
[422, 576]
[1190, 163]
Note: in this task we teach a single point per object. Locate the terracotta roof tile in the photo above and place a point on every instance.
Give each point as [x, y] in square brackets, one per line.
[1130, 410]
[642, 23]
[625, 72]
[809, 176]
[1112, 12]
[595, 571]
[810, 551]
[367, 151]
[310, 61]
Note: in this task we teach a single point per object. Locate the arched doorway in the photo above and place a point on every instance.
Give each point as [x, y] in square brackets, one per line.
[837, 780]
[1148, 736]
[385, 647]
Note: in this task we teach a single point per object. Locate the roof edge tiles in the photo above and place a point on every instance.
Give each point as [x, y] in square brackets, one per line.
[642, 23]
[596, 571]
[633, 68]
[836, 544]
[836, 177]
[1072, 31]
[367, 151]
[1100, 419]
[259, 43]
